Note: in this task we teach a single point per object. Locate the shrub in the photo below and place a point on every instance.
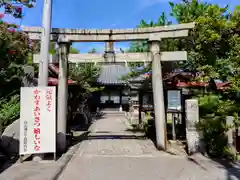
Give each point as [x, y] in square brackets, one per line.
[9, 110]
[213, 110]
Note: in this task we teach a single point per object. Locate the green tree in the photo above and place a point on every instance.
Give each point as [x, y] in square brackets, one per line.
[15, 7]
[14, 51]
[213, 48]
[73, 50]
[15, 47]
[86, 75]
[52, 48]
[142, 46]
[234, 54]
[208, 44]
[92, 51]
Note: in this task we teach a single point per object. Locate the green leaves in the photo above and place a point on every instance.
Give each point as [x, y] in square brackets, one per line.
[14, 51]
[9, 110]
[213, 45]
[213, 48]
[14, 7]
[212, 39]
[86, 75]
[213, 112]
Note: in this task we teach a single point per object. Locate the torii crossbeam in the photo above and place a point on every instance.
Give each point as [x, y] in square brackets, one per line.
[120, 58]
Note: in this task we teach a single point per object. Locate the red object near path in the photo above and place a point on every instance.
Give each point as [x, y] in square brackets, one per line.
[54, 81]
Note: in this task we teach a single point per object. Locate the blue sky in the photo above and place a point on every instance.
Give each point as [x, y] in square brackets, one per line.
[100, 14]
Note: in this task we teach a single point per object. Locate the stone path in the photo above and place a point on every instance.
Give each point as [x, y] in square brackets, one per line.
[111, 152]
[111, 136]
[44, 170]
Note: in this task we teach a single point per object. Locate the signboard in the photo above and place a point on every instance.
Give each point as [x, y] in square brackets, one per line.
[174, 100]
[192, 117]
[37, 120]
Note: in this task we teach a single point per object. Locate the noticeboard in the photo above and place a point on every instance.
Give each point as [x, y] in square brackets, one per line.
[174, 100]
[37, 120]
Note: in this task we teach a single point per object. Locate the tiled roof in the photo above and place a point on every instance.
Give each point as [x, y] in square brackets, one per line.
[139, 78]
[112, 74]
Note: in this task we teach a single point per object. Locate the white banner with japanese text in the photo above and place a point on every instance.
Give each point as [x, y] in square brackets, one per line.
[37, 120]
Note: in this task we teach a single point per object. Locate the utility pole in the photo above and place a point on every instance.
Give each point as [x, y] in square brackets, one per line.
[44, 51]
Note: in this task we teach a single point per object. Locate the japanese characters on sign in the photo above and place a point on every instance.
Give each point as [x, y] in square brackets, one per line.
[25, 136]
[37, 113]
[49, 99]
[38, 120]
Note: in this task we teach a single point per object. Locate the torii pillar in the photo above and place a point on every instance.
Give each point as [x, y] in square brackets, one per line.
[62, 103]
[109, 54]
[158, 95]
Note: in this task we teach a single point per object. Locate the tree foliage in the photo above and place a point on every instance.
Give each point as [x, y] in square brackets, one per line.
[214, 110]
[9, 109]
[86, 75]
[15, 7]
[142, 46]
[208, 43]
[14, 49]
[211, 44]
[213, 48]
[14, 45]
[52, 48]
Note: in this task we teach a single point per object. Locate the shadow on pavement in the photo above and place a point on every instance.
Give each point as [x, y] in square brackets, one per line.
[7, 159]
[232, 168]
[96, 137]
[7, 163]
[197, 163]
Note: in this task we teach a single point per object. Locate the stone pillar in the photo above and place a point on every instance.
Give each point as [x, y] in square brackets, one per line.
[120, 102]
[109, 52]
[193, 135]
[158, 96]
[28, 79]
[230, 133]
[62, 103]
[140, 104]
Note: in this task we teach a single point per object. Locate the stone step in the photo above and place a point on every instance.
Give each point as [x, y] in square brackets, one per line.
[110, 113]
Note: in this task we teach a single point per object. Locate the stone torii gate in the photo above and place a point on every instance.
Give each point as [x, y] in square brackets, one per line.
[65, 37]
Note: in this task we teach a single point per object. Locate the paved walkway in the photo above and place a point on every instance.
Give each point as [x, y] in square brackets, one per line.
[44, 170]
[111, 152]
